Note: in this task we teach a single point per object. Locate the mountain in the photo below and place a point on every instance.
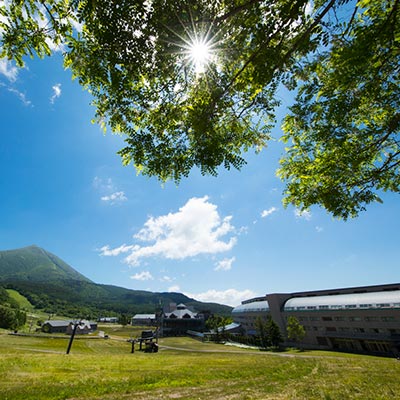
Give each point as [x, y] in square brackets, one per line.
[52, 285]
[35, 264]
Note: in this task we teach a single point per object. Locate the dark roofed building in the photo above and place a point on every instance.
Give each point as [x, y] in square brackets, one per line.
[144, 320]
[179, 320]
[66, 326]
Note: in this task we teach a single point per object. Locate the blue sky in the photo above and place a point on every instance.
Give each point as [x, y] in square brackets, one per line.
[222, 239]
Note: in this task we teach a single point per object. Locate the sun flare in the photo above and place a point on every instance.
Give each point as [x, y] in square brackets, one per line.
[200, 55]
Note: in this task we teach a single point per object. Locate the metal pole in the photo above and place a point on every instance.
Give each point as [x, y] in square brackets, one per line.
[72, 337]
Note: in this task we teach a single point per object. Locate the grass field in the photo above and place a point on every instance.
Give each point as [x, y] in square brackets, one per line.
[38, 368]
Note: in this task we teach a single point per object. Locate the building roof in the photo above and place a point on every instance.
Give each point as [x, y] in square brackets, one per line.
[383, 299]
[255, 306]
[57, 323]
[181, 312]
[144, 316]
[229, 327]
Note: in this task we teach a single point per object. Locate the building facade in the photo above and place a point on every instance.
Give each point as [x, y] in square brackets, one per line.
[179, 319]
[67, 326]
[144, 320]
[361, 319]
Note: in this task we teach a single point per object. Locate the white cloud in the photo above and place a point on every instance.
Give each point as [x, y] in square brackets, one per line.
[111, 194]
[175, 288]
[106, 251]
[114, 198]
[197, 228]
[319, 229]
[142, 276]
[8, 70]
[266, 213]
[225, 264]
[305, 214]
[103, 184]
[166, 278]
[56, 92]
[231, 297]
[21, 96]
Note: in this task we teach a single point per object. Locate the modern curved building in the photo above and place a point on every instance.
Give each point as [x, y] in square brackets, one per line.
[361, 319]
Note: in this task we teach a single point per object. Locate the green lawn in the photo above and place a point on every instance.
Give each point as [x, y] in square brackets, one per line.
[38, 368]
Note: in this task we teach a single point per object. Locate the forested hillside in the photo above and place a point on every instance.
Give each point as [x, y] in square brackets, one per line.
[56, 288]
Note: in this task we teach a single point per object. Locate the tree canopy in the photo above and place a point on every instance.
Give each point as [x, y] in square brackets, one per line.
[193, 84]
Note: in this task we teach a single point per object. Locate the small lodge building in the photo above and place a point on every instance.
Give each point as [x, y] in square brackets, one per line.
[108, 320]
[144, 320]
[67, 326]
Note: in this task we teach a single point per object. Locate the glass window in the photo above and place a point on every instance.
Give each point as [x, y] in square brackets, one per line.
[371, 319]
[331, 328]
[339, 318]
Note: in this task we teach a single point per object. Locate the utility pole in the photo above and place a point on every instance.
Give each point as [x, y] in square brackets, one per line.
[72, 336]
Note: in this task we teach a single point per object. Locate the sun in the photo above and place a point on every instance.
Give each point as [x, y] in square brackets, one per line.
[200, 54]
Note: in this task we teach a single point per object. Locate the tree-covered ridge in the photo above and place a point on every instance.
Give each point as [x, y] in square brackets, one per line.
[53, 286]
[135, 57]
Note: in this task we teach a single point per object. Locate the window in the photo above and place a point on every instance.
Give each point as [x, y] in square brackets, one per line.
[365, 305]
[354, 319]
[339, 318]
[351, 306]
[370, 319]
[303, 319]
[323, 307]
[326, 318]
[314, 319]
[322, 340]
[331, 328]
[387, 319]
[311, 308]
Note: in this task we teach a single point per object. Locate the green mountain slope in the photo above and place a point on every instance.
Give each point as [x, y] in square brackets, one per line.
[55, 287]
[35, 264]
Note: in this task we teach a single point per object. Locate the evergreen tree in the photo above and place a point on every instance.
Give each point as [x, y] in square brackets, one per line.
[274, 333]
[294, 330]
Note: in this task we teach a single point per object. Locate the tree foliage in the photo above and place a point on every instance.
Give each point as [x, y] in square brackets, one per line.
[268, 332]
[11, 317]
[342, 56]
[344, 127]
[295, 331]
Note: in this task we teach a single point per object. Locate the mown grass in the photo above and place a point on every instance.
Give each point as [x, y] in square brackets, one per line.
[38, 368]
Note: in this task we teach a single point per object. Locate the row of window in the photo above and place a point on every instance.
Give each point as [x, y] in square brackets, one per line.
[351, 330]
[352, 319]
[341, 307]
